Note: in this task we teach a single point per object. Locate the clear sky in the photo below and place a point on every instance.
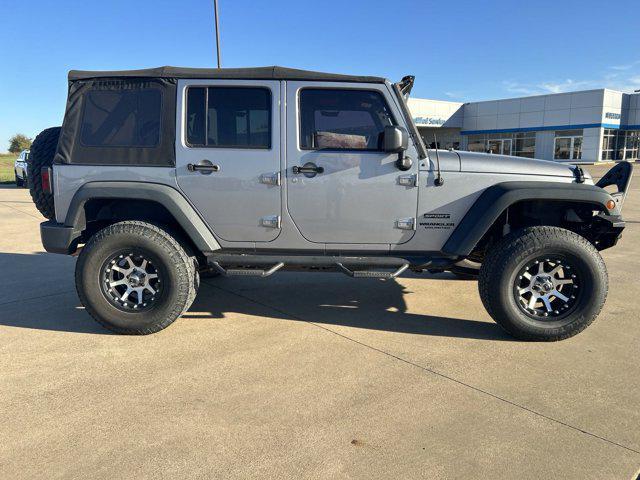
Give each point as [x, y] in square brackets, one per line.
[458, 50]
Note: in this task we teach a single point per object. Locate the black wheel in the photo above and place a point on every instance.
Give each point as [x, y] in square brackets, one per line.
[41, 155]
[135, 278]
[543, 283]
[19, 181]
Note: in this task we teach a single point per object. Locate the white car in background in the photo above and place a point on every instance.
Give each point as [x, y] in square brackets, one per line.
[20, 169]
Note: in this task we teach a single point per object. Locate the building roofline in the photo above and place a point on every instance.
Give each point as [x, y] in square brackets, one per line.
[552, 94]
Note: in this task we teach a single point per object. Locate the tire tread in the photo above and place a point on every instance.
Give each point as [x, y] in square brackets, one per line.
[187, 272]
[522, 242]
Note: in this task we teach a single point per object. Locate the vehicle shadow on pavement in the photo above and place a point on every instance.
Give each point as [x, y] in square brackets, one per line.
[37, 292]
[336, 300]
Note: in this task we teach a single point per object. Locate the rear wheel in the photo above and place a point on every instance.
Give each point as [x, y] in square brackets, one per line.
[135, 278]
[543, 283]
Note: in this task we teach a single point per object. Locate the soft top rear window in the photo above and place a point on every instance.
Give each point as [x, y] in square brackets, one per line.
[121, 118]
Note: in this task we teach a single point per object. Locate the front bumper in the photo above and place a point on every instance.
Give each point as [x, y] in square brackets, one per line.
[58, 238]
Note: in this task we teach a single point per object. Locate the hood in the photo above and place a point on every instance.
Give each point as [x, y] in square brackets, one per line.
[490, 163]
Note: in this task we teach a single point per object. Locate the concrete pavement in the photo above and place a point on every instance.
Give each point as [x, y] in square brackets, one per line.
[310, 376]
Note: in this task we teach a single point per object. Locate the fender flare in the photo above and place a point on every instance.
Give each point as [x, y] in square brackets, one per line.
[170, 198]
[497, 198]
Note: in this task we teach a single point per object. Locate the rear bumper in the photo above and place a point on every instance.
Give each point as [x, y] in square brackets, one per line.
[58, 238]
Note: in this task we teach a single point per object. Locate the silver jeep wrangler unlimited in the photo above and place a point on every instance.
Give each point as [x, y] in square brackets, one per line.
[158, 176]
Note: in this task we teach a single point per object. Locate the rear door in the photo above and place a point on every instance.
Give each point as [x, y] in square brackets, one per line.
[358, 195]
[228, 155]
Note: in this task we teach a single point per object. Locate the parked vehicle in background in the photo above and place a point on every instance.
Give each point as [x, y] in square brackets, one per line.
[20, 169]
[166, 173]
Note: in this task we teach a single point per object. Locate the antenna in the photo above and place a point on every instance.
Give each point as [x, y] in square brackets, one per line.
[215, 13]
[439, 181]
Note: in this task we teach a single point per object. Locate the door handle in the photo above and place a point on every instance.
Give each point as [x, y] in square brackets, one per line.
[205, 167]
[309, 169]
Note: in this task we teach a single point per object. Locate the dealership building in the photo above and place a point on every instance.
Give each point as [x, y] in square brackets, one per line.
[577, 127]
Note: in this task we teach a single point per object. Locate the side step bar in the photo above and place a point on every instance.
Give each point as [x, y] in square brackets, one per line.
[246, 272]
[372, 273]
[256, 272]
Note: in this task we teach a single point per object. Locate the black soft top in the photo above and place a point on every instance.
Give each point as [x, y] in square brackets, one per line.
[262, 73]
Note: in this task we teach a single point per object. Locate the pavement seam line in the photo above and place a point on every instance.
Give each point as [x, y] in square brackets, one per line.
[36, 298]
[432, 371]
[18, 210]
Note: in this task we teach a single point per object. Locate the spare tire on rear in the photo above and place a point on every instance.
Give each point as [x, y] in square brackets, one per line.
[43, 149]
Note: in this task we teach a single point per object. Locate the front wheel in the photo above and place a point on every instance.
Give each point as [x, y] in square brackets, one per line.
[543, 283]
[135, 278]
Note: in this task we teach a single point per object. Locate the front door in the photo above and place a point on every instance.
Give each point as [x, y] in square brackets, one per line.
[341, 187]
[228, 155]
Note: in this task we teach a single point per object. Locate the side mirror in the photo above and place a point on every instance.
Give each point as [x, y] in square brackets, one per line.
[396, 139]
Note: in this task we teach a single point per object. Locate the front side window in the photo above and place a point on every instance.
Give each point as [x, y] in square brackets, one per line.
[228, 117]
[332, 119]
[121, 118]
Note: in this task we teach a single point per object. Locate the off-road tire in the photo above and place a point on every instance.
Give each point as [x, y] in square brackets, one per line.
[178, 272]
[42, 151]
[501, 268]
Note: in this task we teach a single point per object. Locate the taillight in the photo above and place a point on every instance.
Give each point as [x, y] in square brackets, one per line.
[45, 177]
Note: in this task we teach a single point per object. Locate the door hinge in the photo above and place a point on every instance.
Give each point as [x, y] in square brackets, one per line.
[270, 178]
[408, 180]
[270, 221]
[406, 223]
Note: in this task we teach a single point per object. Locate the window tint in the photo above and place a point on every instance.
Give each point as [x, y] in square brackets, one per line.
[342, 119]
[229, 117]
[121, 118]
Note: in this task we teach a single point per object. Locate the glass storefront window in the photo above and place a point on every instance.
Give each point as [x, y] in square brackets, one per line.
[518, 144]
[631, 144]
[563, 148]
[476, 143]
[620, 144]
[577, 148]
[448, 139]
[568, 145]
[525, 145]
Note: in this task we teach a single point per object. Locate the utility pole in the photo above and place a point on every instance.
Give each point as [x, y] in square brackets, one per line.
[215, 12]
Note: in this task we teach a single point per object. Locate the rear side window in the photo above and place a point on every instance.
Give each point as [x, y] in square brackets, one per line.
[228, 117]
[335, 119]
[121, 118]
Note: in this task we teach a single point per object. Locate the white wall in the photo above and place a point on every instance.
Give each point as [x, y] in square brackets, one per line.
[633, 112]
[561, 109]
[435, 113]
